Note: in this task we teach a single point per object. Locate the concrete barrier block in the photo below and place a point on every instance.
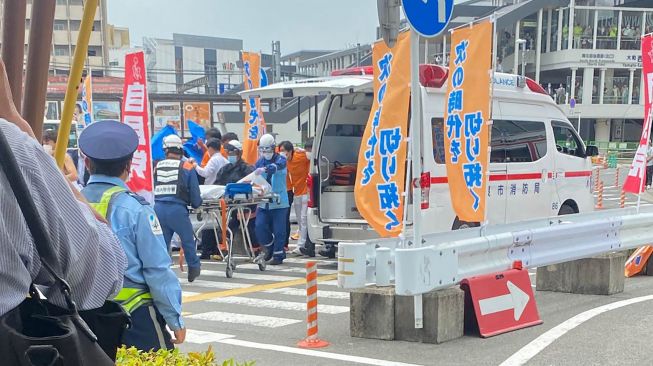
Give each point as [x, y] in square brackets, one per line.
[556, 277]
[372, 313]
[600, 275]
[443, 320]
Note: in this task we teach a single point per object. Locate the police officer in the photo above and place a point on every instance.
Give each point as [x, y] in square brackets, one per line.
[271, 218]
[151, 292]
[176, 187]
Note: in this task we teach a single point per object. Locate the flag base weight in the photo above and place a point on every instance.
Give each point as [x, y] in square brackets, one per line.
[312, 343]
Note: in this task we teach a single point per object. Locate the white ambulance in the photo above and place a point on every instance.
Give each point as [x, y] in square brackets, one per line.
[539, 167]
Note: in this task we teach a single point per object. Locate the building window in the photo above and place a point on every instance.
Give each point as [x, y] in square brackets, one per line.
[97, 26]
[75, 24]
[631, 30]
[62, 2]
[583, 28]
[60, 25]
[606, 35]
[61, 51]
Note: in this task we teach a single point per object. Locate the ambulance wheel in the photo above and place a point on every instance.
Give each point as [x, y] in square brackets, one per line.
[230, 271]
[459, 225]
[566, 210]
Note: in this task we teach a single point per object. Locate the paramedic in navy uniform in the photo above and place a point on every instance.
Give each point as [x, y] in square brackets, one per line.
[151, 292]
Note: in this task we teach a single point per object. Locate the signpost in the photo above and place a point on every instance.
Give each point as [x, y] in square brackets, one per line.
[572, 105]
[427, 18]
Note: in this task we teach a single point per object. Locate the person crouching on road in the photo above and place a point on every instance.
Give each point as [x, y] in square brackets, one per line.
[271, 218]
[175, 188]
[151, 292]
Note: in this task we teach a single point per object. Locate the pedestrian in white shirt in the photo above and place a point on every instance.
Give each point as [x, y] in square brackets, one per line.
[216, 162]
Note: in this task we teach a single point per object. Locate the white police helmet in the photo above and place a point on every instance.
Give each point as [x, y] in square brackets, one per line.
[172, 142]
[266, 143]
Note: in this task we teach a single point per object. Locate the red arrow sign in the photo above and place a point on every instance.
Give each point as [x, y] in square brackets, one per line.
[502, 302]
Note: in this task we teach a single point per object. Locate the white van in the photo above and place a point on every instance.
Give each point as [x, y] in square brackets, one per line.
[539, 167]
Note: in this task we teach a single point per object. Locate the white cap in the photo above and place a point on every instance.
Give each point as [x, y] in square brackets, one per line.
[172, 142]
[235, 144]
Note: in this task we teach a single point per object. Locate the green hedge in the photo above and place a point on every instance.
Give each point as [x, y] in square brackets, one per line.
[134, 357]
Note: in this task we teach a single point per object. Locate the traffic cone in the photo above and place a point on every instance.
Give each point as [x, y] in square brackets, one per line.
[599, 201]
[311, 340]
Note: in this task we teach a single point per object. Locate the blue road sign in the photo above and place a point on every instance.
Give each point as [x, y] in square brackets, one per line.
[264, 78]
[572, 103]
[428, 17]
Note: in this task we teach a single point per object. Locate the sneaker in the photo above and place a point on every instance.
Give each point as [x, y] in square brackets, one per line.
[275, 262]
[193, 273]
[297, 251]
[294, 236]
[329, 253]
[307, 252]
[217, 257]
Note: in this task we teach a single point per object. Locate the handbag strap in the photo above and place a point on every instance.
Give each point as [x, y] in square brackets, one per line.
[32, 218]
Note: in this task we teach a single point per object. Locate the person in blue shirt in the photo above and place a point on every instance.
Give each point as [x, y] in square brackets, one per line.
[151, 292]
[271, 230]
[176, 186]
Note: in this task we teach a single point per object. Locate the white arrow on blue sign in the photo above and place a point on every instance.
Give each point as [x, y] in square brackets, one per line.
[428, 17]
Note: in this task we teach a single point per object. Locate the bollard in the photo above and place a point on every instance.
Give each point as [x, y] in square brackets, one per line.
[599, 201]
[311, 340]
[597, 179]
[622, 199]
[616, 178]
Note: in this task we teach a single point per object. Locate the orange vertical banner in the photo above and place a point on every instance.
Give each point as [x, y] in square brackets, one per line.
[254, 122]
[382, 158]
[467, 112]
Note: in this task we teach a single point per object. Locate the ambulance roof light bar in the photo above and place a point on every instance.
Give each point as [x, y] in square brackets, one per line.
[430, 76]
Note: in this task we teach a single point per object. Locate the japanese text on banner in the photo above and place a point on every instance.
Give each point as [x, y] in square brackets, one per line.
[254, 122]
[86, 118]
[467, 112]
[634, 183]
[380, 181]
[135, 114]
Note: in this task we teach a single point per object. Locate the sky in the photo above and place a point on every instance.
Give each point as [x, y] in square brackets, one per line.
[298, 24]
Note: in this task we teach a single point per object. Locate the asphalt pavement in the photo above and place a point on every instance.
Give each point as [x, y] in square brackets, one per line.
[260, 316]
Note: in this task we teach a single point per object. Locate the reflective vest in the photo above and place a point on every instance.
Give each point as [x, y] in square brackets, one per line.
[169, 180]
[130, 298]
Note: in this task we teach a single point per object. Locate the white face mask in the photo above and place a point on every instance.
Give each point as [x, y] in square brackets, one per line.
[268, 156]
[47, 148]
[232, 159]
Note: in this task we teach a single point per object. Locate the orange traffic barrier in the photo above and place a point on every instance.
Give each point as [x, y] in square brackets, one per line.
[599, 200]
[622, 199]
[311, 340]
[638, 260]
[616, 178]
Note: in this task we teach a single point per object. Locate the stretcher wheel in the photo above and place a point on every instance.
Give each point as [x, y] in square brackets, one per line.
[230, 271]
[261, 266]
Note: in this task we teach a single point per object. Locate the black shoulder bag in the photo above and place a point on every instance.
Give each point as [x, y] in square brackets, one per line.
[38, 333]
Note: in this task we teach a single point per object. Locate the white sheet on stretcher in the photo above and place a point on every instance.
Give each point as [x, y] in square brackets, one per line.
[215, 192]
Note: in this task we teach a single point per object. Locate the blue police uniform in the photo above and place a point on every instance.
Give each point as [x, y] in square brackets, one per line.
[151, 292]
[271, 230]
[176, 187]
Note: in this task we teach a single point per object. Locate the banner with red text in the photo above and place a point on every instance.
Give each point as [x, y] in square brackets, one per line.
[254, 122]
[637, 174]
[135, 114]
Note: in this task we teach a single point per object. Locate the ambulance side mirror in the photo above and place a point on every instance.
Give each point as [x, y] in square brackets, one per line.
[592, 150]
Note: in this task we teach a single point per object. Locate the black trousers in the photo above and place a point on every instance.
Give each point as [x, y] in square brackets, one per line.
[649, 175]
[291, 197]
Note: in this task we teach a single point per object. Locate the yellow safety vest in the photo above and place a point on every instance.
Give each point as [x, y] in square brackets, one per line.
[130, 298]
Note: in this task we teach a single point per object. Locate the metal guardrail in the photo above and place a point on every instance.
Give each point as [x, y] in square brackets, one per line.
[445, 259]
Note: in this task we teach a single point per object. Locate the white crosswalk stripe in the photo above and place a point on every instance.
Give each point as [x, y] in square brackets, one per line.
[244, 319]
[262, 276]
[279, 305]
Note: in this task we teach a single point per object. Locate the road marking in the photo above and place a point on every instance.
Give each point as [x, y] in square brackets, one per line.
[536, 346]
[301, 270]
[202, 337]
[312, 353]
[279, 305]
[302, 292]
[331, 283]
[250, 276]
[188, 293]
[247, 319]
[254, 288]
[214, 284]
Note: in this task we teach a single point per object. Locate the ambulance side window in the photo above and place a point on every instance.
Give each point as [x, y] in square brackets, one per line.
[437, 129]
[567, 141]
[517, 141]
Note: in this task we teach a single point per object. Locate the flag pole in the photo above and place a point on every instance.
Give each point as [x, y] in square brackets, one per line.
[641, 181]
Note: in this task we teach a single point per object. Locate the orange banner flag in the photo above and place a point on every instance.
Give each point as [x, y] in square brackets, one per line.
[254, 122]
[382, 158]
[467, 112]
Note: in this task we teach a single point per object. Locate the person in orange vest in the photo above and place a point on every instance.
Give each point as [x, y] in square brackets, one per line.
[298, 166]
